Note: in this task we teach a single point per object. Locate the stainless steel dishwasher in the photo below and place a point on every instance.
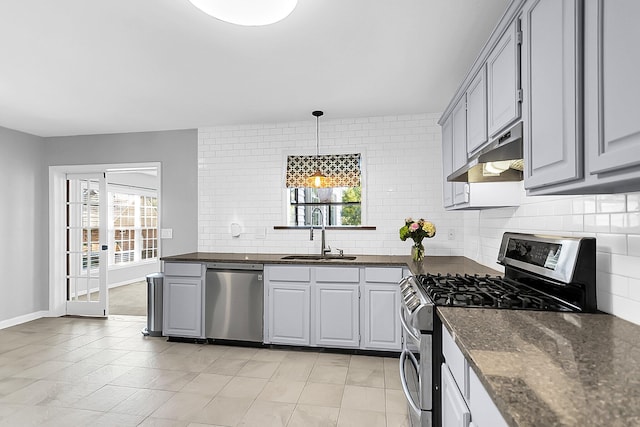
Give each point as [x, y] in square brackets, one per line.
[234, 307]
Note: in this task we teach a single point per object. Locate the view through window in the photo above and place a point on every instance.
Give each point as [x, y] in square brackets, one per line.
[133, 227]
[340, 206]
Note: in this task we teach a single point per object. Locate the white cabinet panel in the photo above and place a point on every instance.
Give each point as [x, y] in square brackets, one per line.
[503, 107]
[338, 274]
[182, 269]
[550, 60]
[182, 307]
[454, 409]
[381, 329]
[459, 132]
[459, 129]
[447, 162]
[484, 411]
[383, 274]
[290, 273]
[463, 395]
[455, 360]
[477, 112]
[336, 315]
[612, 89]
[289, 313]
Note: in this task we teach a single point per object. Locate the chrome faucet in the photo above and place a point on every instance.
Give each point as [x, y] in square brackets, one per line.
[324, 249]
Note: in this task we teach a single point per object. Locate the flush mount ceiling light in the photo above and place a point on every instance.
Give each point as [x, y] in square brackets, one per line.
[247, 12]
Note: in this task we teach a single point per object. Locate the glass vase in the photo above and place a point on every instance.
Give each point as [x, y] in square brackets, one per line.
[417, 252]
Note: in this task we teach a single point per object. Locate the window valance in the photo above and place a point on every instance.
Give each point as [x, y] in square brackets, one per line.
[340, 170]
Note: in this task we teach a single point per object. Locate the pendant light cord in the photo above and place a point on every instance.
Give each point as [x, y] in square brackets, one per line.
[317, 115]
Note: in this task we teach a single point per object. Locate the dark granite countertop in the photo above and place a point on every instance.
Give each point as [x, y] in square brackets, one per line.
[553, 369]
[431, 264]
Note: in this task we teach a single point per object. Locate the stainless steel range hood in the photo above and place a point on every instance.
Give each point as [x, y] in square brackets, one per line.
[499, 161]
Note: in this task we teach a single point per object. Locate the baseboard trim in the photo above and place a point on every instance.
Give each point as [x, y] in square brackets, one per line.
[23, 319]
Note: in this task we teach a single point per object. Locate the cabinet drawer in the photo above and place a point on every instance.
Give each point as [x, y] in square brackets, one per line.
[455, 361]
[288, 274]
[382, 275]
[338, 275]
[182, 269]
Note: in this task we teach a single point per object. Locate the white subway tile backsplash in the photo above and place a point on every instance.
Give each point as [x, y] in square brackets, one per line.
[634, 289]
[611, 203]
[612, 243]
[241, 175]
[633, 245]
[401, 153]
[597, 223]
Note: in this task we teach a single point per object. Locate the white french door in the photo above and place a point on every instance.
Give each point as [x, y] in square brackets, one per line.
[86, 244]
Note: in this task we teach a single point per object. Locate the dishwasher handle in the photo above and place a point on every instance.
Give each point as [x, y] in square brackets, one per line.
[234, 266]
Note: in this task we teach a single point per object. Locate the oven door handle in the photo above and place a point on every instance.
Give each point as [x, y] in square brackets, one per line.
[403, 380]
[406, 326]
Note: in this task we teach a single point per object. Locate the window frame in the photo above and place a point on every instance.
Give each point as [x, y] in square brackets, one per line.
[363, 197]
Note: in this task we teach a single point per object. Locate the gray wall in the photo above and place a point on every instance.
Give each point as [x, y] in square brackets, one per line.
[175, 150]
[23, 218]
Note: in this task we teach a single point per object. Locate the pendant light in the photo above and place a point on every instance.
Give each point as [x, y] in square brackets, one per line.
[318, 180]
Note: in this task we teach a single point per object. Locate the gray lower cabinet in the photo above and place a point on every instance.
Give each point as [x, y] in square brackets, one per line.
[288, 305]
[381, 320]
[336, 307]
[563, 154]
[381, 301]
[336, 315]
[183, 300]
[465, 401]
[325, 306]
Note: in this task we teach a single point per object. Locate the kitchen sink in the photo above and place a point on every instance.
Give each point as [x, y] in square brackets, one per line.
[319, 257]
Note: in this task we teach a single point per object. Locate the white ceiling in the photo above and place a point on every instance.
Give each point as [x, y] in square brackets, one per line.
[76, 67]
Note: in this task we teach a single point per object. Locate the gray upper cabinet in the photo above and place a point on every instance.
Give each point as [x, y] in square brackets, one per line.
[551, 86]
[459, 130]
[454, 154]
[447, 162]
[503, 83]
[563, 154]
[612, 92]
[477, 112]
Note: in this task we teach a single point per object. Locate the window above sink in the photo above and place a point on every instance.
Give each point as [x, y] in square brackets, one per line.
[341, 206]
[339, 198]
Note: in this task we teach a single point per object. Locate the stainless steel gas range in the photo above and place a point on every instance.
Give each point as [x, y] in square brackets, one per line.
[545, 273]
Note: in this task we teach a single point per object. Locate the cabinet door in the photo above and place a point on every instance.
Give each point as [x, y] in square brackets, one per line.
[454, 409]
[289, 313]
[550, 62]
[182, 307]
[503, 82]
[382, 330]
[336, 315]
[483, 410]
[612, 92]
[459, 130]
[447, 162]
[477, 112]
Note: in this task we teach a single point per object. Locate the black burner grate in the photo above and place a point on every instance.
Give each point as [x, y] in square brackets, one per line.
[487, 291]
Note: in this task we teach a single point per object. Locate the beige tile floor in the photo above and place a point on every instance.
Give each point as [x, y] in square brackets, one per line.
[93, 372]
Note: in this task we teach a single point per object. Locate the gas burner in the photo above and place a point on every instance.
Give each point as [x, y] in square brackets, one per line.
[488, 292]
